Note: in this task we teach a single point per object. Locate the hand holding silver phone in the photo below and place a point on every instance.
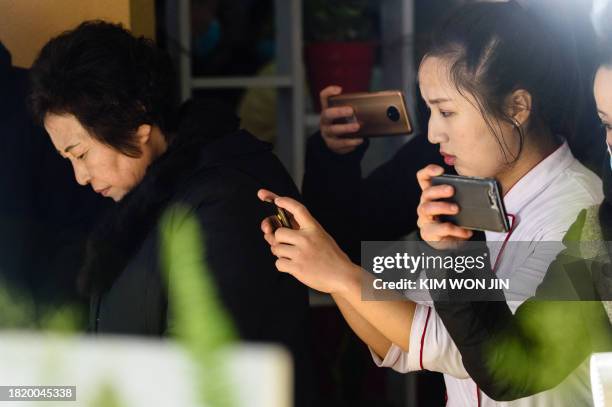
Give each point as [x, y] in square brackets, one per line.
[481, 206]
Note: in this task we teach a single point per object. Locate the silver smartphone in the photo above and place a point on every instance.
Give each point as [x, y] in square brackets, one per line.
[481, 206]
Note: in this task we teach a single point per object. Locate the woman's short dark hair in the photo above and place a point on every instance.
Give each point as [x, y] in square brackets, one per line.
[111, 81]
[496, 48]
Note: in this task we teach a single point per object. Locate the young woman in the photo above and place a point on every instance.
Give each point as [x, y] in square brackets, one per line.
[501, 98]
[502, 352]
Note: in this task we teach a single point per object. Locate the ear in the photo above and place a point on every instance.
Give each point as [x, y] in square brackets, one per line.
[520, 106]
[143, 133]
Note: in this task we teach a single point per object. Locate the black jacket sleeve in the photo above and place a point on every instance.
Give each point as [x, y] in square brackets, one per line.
[514, 356]
[381, 206]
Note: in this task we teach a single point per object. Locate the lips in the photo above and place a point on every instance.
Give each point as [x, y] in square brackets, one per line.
[448, 159]
[104, 191]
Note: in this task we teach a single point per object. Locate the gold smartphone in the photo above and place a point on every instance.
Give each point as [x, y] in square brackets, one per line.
[280, 219]
[379, 113]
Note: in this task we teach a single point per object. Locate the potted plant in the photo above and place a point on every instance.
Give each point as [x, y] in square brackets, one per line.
[339, 48]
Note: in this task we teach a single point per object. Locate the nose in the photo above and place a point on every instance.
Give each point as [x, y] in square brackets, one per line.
[80, 173]
[435, 135]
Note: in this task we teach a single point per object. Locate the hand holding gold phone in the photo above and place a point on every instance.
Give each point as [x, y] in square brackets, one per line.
[378, 113]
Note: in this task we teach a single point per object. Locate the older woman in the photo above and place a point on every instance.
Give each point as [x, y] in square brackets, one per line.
[107, 101]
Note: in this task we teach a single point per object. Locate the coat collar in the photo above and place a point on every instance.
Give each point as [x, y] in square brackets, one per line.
[530, 186]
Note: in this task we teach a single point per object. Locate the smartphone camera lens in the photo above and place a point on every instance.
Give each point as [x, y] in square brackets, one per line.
[393, 114]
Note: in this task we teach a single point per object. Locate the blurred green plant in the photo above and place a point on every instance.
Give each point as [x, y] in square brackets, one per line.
[19, 312]
[541, 331]
[106, 396]
[337, 20]
[541, 341]
[197, 318]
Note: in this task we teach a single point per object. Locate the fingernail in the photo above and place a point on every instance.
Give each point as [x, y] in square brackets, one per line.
[454, 208]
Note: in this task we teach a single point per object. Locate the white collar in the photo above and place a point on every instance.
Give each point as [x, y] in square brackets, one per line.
[532, 184]
[538, 178]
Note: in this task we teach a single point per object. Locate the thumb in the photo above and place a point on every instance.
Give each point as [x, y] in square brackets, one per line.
[266, 196]
[299, 212]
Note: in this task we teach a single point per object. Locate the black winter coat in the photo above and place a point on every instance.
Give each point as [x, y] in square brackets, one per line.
[218, 180]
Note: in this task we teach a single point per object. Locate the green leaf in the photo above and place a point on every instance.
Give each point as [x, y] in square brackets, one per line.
[198, 319]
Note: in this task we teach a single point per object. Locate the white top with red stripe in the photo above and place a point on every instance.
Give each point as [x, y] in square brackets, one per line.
[545, 202]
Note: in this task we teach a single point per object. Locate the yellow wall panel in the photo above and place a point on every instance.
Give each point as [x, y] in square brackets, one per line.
[26, 25]
[142, 17]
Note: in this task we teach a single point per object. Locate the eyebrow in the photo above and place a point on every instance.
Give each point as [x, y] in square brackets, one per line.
[67, 149]
[439, 100]
[602, 113]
